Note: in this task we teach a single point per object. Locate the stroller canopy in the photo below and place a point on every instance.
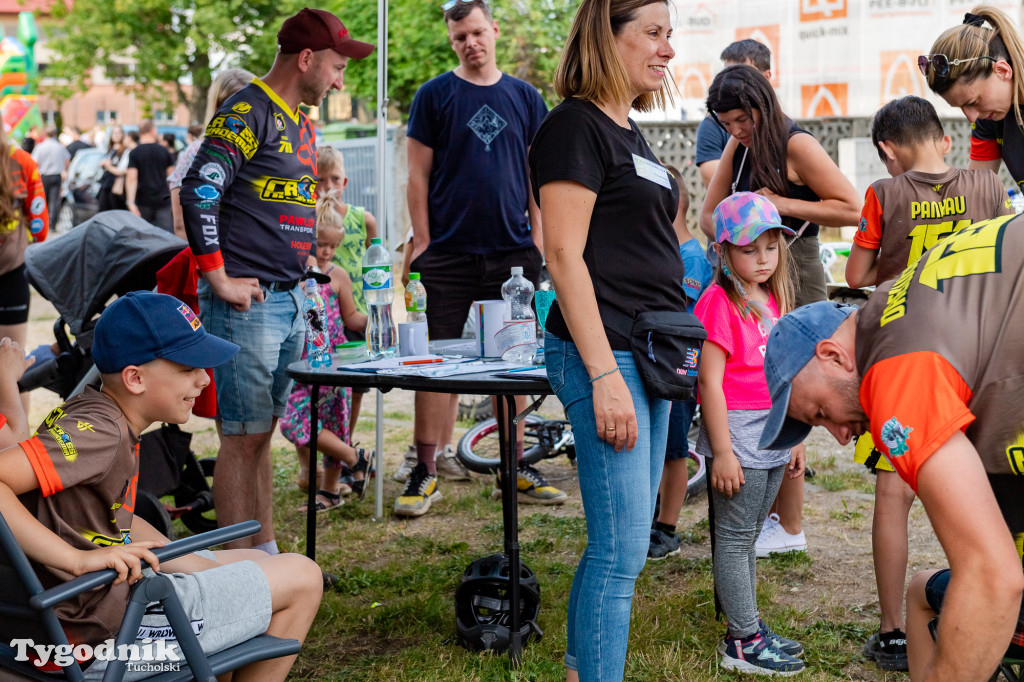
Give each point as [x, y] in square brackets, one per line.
[113, 252]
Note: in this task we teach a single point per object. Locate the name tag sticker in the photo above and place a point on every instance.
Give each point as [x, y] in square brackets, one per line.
[648, 170]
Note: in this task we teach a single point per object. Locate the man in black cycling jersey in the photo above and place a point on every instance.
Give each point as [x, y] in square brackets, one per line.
[249, 206]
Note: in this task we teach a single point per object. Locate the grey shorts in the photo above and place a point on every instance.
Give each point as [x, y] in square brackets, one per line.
[227, 606]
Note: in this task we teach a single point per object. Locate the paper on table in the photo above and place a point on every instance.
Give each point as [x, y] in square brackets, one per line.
[391, 363]
[447, 369]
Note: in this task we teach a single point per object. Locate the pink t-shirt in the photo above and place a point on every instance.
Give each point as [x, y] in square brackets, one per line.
[744, 343]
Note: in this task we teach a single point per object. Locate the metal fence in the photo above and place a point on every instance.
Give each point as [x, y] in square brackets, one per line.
[360, 156]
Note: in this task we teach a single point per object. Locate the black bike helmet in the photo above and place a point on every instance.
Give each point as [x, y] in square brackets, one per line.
[482, 609]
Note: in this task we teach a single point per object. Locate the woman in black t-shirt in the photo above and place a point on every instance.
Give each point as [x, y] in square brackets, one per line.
[607, 207]
[769, 154]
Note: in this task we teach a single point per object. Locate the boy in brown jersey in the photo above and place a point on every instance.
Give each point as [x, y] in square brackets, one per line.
[923, 202]
[68, 493]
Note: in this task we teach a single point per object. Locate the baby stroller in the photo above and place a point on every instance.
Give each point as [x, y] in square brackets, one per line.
[79, 273]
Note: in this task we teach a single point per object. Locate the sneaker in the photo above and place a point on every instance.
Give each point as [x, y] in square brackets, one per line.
[408, 464]
[888, 650]
[533, 488]
[449, 466]
[758, 656]
[420, 491]
[783, 644]
[663, 544]
[775, 540]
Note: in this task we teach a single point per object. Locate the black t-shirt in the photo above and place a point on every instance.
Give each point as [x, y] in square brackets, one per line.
[991, 140]
[77, 146]
[631, 251]
[151, 160]
[795, 191]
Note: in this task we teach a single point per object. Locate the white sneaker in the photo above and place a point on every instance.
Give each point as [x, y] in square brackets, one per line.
[449, 466]
[408, 463]
[775, 540]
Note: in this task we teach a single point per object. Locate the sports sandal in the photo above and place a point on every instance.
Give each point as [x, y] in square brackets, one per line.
[362, 465]
[333, 501]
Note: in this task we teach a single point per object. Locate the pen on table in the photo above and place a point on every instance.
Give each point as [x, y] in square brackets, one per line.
[428, 361]
[523, 369]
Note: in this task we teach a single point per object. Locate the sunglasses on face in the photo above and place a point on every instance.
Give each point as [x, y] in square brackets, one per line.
[941, 63]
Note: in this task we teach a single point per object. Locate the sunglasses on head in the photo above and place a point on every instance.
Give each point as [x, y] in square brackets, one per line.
[451, 3]
[940, 63]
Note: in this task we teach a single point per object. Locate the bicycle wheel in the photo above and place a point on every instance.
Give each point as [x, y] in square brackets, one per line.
[479, 448]
[477, 408]
[698, 472]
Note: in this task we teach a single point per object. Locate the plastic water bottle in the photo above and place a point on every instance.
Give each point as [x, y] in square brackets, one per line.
[378, 289]
[314, 312]
[518, 335]
[415, 299]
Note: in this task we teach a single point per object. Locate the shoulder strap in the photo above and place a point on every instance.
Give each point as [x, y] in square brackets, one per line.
[617, 321]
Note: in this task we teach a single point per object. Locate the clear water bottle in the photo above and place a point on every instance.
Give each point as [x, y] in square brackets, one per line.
[314, 312]
[379, 292]
[518, 335]
[415, 299]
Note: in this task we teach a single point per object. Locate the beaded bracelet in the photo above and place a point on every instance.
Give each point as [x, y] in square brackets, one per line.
[601, 376]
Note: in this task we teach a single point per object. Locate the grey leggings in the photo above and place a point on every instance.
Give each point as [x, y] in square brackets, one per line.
[738, 522]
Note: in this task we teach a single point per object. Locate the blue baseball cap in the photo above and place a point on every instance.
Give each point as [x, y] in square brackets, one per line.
[791, 345]
[142, 326]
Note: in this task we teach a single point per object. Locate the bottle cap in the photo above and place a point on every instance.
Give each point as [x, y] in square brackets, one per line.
[517, 270]
[413, 275]
[375, 240]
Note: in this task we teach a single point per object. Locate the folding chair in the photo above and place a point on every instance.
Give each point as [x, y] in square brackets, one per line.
[27, 612]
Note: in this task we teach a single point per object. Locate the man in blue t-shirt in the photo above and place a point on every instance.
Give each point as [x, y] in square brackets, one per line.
[473, 218]
[711, 137]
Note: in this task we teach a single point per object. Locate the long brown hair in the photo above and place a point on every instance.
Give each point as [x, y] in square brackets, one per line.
[590, 67]
[978, 48]
[743, 87]
[11, 216]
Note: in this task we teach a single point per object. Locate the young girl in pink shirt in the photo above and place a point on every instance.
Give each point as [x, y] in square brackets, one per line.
[752, 290]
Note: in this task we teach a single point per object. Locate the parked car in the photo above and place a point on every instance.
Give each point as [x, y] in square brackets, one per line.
[78, 198]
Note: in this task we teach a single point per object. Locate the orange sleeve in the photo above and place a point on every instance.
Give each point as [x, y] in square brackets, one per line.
[985, 150]
[49, 479]
[909, 426]
[3, 421]
[38, 218]
[869, 231]
[210, 261]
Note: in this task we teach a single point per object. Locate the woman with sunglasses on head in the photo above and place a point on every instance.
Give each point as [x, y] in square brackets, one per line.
[772, 156]
[972, 67]
[607, 207]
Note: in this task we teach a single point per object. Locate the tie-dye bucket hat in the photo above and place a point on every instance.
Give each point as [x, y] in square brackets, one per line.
[742, 217]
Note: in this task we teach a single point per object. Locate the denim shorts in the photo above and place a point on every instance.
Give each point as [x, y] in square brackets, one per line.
[253, 386]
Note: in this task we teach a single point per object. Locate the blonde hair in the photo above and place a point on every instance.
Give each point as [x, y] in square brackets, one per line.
[590, 67]
[11, 215]
[779, 284]
[327, 159]
[227, 83]
[329, 214]
[978, 48]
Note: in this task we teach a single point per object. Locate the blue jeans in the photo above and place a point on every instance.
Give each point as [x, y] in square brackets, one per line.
[618, 490]
[253, 387]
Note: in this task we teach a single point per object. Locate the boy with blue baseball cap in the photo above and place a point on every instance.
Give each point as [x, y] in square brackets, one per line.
[68, 493]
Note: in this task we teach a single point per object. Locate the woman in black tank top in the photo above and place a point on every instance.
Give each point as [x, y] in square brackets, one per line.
[769, 154]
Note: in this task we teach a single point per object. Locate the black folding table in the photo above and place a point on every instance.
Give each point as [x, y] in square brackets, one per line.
[482, 383]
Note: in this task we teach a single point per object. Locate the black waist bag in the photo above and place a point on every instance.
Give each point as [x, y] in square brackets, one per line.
[666, 347]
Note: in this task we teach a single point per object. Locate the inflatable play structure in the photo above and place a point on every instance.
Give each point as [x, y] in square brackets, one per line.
[19, 109]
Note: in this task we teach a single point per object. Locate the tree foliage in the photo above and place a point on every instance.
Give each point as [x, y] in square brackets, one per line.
[532, 33]
[170, 44]
[167, 44]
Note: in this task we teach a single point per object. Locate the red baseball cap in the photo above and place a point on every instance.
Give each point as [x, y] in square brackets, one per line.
[317, 29]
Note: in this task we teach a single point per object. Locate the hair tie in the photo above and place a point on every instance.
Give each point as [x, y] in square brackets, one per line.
[973, 20]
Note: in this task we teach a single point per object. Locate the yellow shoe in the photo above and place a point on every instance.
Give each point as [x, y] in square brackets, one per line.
[532, 487]
[420, 491]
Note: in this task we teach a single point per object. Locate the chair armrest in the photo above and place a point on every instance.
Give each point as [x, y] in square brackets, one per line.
[172, 550]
